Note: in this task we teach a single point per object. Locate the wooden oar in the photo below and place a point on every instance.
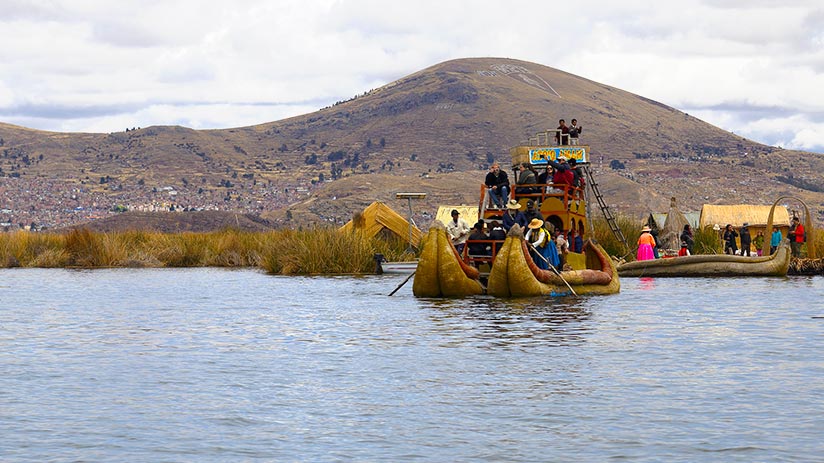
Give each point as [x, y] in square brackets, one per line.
[552, 267]
[404, 282]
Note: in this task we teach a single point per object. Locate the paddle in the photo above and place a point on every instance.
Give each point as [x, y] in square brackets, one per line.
[553, 268]
[400, 285]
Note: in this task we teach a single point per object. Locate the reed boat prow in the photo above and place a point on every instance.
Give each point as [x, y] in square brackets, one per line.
[440, 271]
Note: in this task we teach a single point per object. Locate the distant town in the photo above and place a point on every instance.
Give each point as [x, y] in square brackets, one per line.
[34, 203]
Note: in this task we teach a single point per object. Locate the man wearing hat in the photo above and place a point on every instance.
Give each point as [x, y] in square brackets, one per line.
[513, 215]
[532, 212]
[458, 230]
[746, 239]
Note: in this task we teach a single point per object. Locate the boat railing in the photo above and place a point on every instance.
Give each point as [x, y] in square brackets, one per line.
[487, 258]
[538, 192]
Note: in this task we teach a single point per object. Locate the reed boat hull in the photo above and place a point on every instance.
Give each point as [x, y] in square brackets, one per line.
[440, 271]
[710, 265]
[515, 274]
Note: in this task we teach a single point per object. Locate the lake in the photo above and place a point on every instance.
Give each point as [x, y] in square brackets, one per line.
[212, 365]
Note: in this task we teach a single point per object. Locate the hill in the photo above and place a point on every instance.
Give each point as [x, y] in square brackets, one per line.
[435, 131]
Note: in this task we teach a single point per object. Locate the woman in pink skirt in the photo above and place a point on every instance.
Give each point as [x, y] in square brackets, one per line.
[645, 244]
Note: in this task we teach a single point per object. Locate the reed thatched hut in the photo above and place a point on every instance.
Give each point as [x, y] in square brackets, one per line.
[380, 219]
[718, 216]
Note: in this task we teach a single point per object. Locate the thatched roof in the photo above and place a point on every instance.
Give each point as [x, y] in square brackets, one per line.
[737, 214]
[670, 234]
[379, 218]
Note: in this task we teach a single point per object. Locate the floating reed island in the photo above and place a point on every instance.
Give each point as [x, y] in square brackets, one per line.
[283, 252]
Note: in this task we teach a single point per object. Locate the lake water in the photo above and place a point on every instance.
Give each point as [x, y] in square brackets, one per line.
[210, 365]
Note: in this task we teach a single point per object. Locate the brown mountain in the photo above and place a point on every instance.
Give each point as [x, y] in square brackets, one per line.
[433, 131]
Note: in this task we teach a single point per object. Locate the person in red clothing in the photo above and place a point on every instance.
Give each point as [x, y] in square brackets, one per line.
[562, 134]
[797, 232]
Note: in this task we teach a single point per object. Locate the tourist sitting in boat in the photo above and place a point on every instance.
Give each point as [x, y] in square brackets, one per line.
[475, 247]
[513, 215]
[684, 251]
[576, 241]
[541, 247]
[496, 231]
[458, 230]
[497, 184]
[561, 247]
[526, 176]
[645, 244]
[532, 212]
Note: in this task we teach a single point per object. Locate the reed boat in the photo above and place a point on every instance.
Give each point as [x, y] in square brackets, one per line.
[441, 272]
[515, 274]
[709, 265]
[507, 267]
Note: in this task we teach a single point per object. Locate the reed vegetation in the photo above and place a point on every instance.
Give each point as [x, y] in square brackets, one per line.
[630, 227]
[289, 252]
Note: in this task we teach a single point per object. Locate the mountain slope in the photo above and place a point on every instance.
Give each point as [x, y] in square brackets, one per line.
[436, 128]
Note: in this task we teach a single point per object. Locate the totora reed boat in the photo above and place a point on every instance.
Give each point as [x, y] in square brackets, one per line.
[507, 269]
[709, 265]
[442, 273]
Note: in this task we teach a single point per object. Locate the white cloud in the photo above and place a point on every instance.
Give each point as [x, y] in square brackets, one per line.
[228, 64]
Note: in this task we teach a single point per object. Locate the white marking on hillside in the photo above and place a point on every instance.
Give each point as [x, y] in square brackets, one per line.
[525, 75]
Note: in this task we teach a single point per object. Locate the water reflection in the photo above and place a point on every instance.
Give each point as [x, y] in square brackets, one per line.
[513, 323]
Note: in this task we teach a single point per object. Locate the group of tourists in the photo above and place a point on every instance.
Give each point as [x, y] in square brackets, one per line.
[648, 247]
[561, 175]
[568, 134]
[548, 245]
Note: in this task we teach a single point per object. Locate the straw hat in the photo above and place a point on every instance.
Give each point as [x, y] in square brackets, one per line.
[512, 204]
[536, 223]
[645, 229]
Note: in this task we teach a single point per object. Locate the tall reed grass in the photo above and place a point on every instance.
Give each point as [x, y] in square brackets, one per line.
[316, 251]
[631, 229]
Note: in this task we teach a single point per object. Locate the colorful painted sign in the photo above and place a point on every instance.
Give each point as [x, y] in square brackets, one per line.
[539, 156]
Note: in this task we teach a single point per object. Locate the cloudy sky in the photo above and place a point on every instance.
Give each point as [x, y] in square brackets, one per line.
[753, 67]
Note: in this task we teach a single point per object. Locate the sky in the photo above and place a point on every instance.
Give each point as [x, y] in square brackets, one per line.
[752, 67]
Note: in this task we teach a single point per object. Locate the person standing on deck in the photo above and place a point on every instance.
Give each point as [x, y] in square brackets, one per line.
[562, 133]
[797, 237]
[775, 240]
[574, 131]
[758, 241]
[730, 246]
[746, 239]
